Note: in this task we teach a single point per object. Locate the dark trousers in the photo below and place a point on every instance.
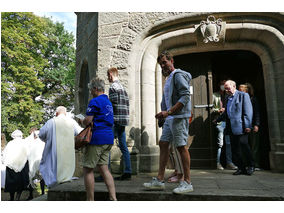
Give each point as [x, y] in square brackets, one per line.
[254, 141]
[240, 148]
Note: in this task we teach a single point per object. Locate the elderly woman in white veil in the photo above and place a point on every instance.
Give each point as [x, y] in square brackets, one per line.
[15, 157]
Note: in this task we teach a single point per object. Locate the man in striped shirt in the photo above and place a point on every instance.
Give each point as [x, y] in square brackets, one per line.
[120, 102]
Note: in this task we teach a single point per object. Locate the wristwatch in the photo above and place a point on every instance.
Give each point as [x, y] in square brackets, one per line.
[170, 112]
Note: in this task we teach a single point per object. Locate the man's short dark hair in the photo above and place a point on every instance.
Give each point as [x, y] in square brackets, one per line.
[168, 55]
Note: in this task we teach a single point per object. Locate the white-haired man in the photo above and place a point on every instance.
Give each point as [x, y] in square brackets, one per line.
[58, 159]
[238, 117]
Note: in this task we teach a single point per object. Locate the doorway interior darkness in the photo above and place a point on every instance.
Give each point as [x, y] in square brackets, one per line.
[242, 67]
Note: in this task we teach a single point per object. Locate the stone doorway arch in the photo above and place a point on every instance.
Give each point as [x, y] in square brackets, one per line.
[264, 40]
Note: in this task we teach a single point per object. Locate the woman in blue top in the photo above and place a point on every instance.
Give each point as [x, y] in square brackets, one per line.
[100, 112]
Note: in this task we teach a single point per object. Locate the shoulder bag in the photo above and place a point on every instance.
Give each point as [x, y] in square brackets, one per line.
[84, 137]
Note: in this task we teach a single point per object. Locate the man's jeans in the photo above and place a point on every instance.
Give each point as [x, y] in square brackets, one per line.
[220, 138]
[228, 149]
[220, 128]
[119, 132]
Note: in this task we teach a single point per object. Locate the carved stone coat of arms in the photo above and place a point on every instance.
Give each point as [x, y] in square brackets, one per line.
[211, 29]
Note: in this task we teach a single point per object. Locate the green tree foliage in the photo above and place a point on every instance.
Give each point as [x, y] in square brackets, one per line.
[59, 75]
[38, 60]
[23, 44]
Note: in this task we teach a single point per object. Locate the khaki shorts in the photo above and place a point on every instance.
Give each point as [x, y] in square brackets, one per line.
[96, 154]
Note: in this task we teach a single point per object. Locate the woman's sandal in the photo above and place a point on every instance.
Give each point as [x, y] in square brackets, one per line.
[172, 175]
[173, 179]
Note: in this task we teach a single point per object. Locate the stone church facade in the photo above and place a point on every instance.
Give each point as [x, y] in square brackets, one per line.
[132, 41]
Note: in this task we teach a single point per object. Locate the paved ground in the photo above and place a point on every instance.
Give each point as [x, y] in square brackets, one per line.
[5, 196]
[208, 185]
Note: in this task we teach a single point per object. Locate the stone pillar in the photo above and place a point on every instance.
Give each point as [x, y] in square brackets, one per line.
[149, 151]
[116, 162]
[159, 95]
[276, 117]
[78, 164]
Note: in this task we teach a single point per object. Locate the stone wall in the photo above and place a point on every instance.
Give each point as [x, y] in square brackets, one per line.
[116, 34]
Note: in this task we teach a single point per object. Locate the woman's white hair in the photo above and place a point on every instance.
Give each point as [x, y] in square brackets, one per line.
[98, 84]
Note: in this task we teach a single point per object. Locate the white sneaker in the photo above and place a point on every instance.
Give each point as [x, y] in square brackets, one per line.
[219, 166]
[183, 187]
[232, 166]
[155, 184]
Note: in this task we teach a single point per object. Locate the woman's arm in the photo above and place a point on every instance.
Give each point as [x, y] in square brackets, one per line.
[88, 120]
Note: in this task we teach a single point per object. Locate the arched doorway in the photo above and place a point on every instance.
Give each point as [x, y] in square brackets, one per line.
[83, 94]
[207, 70]
[259, 39]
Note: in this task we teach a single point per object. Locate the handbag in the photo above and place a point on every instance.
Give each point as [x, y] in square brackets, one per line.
[84, 137]
[161, 122]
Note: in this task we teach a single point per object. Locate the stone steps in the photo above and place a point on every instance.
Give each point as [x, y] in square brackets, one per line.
[209, 185]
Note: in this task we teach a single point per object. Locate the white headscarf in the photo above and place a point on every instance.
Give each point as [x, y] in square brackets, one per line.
[15, 153]
[17, 134]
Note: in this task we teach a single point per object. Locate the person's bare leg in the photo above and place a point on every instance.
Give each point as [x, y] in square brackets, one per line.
[103, 169]
[178, 164]
[185, 157]
[172, 159]
[164, 157]
[89, 183]
[180, 177]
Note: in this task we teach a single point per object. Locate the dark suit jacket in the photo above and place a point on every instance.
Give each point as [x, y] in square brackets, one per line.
[241, 113]
[256, 112]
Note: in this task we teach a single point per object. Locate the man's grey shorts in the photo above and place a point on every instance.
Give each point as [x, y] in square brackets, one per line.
[175, 130]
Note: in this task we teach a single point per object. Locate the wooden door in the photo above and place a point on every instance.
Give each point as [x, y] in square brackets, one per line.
[202, 148]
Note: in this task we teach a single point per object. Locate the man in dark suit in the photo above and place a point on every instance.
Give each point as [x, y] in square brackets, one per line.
[238, 115]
